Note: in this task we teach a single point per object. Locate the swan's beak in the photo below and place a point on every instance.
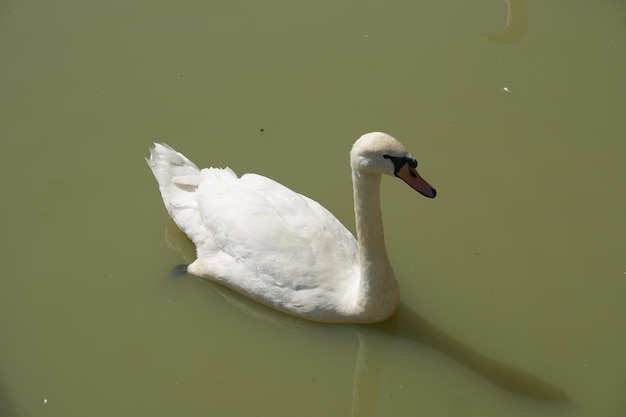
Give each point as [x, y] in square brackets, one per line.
[409, 175]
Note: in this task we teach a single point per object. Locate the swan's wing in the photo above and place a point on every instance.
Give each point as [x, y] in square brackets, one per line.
[271, 242]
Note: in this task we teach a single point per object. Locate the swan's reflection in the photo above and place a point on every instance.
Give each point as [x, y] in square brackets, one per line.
[516, 23]
[375, 340]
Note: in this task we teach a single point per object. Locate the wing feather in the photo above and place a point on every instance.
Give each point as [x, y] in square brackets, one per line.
[277, 235]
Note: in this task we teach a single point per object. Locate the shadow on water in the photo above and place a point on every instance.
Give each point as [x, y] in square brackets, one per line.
[408, 324]
[375, 340]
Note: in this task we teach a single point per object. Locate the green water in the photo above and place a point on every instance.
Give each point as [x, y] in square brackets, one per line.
[512, 279]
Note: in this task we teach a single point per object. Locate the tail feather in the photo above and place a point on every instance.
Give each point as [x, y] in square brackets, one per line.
[167, 163]
[180, 200]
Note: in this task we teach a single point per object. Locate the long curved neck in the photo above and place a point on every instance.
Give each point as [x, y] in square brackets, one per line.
[378, 293]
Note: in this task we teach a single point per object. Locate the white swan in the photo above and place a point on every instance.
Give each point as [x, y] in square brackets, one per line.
[283, 249]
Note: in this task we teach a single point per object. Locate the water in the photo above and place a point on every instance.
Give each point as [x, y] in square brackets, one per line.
[512, 280]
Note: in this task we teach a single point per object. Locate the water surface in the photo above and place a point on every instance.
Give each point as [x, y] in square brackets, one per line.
[512, 280]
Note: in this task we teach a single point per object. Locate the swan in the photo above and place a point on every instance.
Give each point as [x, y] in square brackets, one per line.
[283, 249]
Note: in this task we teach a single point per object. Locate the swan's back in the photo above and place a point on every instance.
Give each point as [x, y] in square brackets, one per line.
[260, 238]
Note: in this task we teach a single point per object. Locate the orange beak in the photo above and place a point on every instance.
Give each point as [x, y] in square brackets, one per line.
[409, 175]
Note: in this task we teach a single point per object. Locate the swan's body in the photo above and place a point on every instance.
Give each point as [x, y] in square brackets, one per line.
[283, 249]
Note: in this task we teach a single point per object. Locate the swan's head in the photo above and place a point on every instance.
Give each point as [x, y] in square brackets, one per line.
[380, 153]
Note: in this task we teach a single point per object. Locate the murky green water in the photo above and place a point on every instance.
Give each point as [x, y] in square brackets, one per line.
[513, 279]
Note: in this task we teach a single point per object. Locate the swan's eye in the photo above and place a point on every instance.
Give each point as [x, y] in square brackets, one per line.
[386, 156]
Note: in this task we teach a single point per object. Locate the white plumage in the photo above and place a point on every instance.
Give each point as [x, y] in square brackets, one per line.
[281, 248]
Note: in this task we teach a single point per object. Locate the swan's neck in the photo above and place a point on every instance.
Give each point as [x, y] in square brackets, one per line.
[378, 293]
